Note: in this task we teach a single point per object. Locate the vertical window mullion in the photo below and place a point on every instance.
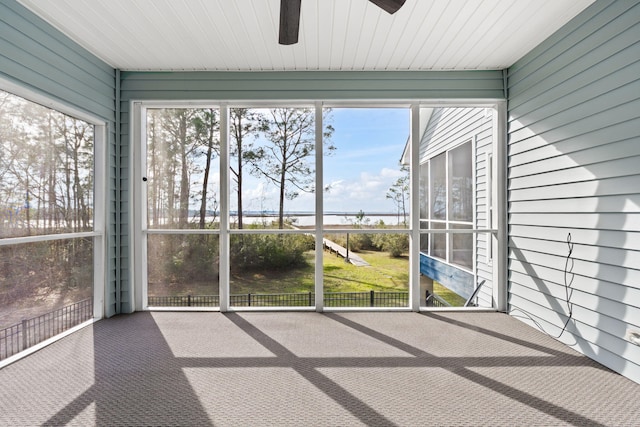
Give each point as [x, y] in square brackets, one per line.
[489, 206]
[429, 214]
[140, 189]
[99, 215]
[319, 183]
[224, 262]
[414, 211]
[446, 205]
[500, 215]
[474, 202]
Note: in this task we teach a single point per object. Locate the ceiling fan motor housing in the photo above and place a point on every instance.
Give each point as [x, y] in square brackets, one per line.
[290, 17]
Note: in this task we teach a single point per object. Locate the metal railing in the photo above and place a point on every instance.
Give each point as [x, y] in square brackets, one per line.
[366, 299]
[298, 299]
[184, 301]
[433, 300]
[30, 332]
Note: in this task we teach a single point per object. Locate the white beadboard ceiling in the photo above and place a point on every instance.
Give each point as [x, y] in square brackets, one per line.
[348, 35]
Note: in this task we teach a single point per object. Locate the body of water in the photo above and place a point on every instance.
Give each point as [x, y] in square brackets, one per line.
[309, 219]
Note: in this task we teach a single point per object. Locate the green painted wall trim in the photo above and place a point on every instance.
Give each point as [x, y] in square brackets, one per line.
[312, 85]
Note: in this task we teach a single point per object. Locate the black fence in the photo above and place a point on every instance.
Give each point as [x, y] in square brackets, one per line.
[32, 331]
[298, 299]
[366, 299]
[184, 301]
[434, 300]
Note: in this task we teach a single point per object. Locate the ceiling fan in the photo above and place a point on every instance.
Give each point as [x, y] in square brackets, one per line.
[290, 17]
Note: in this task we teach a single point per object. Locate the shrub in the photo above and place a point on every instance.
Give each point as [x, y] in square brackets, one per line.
[395, 244]
[190, 257]
[360, 242]
[269, 251]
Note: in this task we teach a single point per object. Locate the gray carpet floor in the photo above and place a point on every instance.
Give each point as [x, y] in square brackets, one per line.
[311, 369]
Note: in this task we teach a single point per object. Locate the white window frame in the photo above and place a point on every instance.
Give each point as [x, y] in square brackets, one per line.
[448, 222]
[138, 258]
[99, 198]
[138, 216]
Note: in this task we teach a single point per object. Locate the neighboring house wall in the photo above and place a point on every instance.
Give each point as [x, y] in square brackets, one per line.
[37, 57]
[451, 127]
[574, 167]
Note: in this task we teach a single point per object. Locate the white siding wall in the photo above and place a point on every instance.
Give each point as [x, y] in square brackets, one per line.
[448, 128]
[574, 167]
[484, 145]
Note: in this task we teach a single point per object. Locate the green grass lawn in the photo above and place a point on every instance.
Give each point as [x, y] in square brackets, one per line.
[275, 281]
[384, 274]
[448, 295]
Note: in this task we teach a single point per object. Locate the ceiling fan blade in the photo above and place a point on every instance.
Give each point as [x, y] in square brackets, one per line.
[289, 21]
[389, 6]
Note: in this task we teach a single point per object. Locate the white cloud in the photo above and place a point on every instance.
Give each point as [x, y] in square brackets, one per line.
[368, 192]
[392, 173]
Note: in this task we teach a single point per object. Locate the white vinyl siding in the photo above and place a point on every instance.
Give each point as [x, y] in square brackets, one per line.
[573, 156]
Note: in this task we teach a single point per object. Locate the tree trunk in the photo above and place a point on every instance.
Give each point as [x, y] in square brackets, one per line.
[81, 219]
[51, 179]
[171, 191]
[239, 137]
[282, 192]
[153, 197]
[28, 208]
[207, 169]
[184, 178]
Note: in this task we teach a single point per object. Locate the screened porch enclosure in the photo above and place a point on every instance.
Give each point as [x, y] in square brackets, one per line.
[51, 219]
[229, 216]
[564, 78]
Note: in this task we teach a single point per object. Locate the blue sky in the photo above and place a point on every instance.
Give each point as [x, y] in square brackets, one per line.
[364, 166]
[366, 163]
